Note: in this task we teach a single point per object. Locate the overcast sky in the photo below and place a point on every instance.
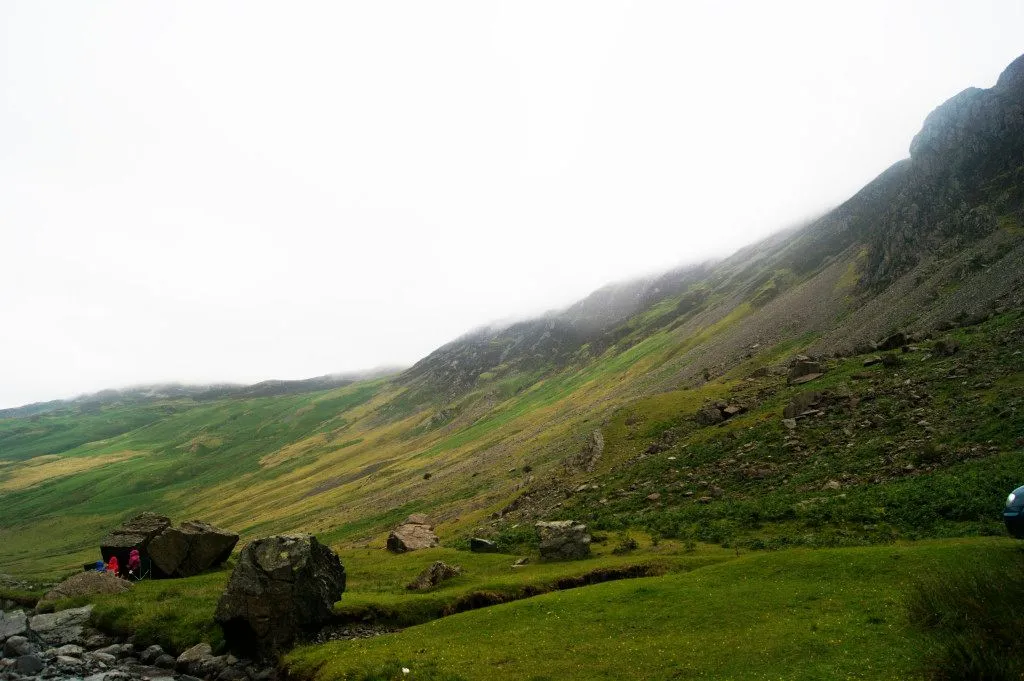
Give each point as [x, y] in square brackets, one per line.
[236, 191]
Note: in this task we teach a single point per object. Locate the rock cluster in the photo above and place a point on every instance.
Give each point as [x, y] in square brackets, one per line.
[803, 369]
[61, 645]
[563, 540]
[182, 551]
[415, 533]
[479, 545]
[281, 586]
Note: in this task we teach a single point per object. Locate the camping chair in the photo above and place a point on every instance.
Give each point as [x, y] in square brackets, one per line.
[145, 570]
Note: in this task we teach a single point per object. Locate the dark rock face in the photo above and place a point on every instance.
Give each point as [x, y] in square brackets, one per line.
[280, 586]
[193, 547]
[434, 575]
[563, 540]
[478, 545]
[893, 342]
[414, 534]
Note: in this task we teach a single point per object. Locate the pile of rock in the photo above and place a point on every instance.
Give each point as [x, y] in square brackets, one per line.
[62, 645]
[182, 551]
[415, 533]
[86, 584]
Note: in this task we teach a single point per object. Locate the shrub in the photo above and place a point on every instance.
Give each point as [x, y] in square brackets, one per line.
[971, 613]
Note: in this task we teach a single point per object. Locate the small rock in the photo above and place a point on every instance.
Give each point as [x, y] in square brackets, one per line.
[520, 562]
[434, 575]
[709, 416]
[70, 649]
[165, 661]
[653, 496]
[871, 361]
[789, 423]
[117, 649]
[196, 653]
[105, 658]
[68, 662]
[833, 485]
[150, 654]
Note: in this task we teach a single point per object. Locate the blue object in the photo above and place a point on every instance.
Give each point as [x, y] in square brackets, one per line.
[101, 566]
[1013, 513]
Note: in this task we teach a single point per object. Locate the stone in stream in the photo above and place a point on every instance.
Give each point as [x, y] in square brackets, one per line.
[12, 624]
[280, 586]
[29, 665]
[17, 646]
[60, 628]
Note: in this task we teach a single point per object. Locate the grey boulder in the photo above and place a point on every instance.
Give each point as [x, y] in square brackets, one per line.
[563, 540]
[280, 586]
[414, 534]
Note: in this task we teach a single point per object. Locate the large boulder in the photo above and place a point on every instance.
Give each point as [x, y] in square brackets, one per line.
[563, 540]
[414, 534]
[190, 548]
[280, 586]
[182, 551]
[136, 533]
[86, 584]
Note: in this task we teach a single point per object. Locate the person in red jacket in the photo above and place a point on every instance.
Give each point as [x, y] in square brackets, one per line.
[112, 566]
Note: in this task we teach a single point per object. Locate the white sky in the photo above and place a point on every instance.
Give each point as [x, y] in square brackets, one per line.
[236, 191]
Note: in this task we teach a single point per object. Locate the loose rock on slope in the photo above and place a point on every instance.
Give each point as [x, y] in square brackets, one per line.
[414, 534]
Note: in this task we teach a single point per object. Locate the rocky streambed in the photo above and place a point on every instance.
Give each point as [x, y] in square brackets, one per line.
[62, 645]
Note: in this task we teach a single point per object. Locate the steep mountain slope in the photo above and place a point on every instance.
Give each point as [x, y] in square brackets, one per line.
[505, 424]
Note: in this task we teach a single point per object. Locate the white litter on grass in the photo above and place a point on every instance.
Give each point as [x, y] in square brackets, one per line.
[405, 670]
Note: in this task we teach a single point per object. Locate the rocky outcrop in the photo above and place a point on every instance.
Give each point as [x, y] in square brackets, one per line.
[86, 584]
[563, 540]
[414, 534]
[182, 551]
[434, 575]
[190, 549]
[280, 586]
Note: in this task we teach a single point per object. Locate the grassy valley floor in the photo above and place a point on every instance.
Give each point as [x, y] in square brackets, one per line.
[796, 614]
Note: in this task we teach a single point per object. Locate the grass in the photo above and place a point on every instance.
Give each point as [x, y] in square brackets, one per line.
[798, 614]
[970, 613]
[177, 614]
